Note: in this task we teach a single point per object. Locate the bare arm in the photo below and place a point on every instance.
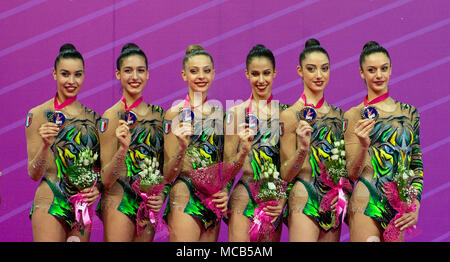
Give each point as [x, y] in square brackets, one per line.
[40, 136]
[357, 142]
[238, 143]
[294, 145]
[175, 145]
[114, 144]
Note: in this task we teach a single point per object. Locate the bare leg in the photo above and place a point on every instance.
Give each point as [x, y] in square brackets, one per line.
[117, 226]
[76, 236]
[238, 224]
[47, 228]
[331, 236]
[301, 227]
[211, 235]
[145, 236]
[182, 227]
[362, 228]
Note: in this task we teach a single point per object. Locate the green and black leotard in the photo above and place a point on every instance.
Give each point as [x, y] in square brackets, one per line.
[395, 141]
[327, 129]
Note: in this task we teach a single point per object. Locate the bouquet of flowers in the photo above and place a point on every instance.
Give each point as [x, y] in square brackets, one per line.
[149, 184]
[209, 178]
[400, 194]
[334, 175]
[267, 191]
[82, 175]
[197, 159]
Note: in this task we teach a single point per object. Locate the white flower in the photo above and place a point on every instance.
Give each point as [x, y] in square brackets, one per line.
[334, 151]
[276, 175]
[405, 176]
[265, 175]
[86, 162]
[271, 186]
[147, 161]
[144, 172]
[342, 142]
[270, 171]
[156, 164]
[337, 143]
[342, 153]
[411, 173]
[95, 157]
[334, 157]
[343, 162]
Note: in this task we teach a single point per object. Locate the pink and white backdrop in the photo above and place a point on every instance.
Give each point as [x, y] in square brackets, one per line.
[415, 32]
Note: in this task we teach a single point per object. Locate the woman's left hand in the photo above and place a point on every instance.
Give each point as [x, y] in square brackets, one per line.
[221, 201]
[274, 211]
[335, 201]
[155, 202]
[90, 196]
[407, 220]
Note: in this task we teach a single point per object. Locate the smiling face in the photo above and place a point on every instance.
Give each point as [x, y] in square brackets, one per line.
[261, 73]
[376, 71]
[133, 75]
[315, 71]
[199, 73]
[69, 76]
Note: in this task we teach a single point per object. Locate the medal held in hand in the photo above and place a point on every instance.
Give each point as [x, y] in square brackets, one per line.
[58, 118]
[252, 121]
[308, 114]
[369, 112]
[186, 115]
[129, 116]
[131, 119]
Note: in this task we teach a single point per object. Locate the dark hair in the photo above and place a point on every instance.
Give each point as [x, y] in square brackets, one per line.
[194, 50]
[312, 45]
[369, 48]
[260, 51]
[129, 50]
[68, 51]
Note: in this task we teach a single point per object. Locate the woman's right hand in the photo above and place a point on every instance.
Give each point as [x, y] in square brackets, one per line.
[183, 132]
[123, 134]
[362, 130]
[304, 131]
[48, 131]
[245, 138]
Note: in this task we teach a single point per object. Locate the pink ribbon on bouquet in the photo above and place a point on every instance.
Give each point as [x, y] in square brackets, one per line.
[144, 212]
[262, 222]
[82, 210]
[392, 233]
[336, 190]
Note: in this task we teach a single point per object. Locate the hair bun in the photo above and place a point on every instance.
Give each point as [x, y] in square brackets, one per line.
[312, 42]
[129, 46]
[370, 44]
[193, 48]
[259, 47]
[67, 47]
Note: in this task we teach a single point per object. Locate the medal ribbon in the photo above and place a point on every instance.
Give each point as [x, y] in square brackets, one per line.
[68, 101]
[317, 106]
[376, 100]
[249, 108]
[187, 102]
[135, 104]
